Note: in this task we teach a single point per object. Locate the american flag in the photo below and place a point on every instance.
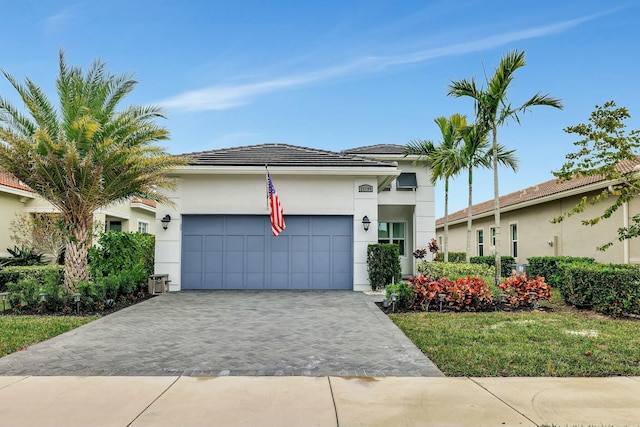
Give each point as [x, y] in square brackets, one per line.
[275, 209]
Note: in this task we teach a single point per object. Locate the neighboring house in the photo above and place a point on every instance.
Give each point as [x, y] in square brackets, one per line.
[16, 198]
[219, 236]
[526, 229]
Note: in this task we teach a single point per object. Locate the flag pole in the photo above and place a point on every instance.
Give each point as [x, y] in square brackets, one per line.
[266, 181]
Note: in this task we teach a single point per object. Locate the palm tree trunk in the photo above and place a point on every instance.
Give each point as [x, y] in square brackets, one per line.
[496, 204]
[77, 251]
[469, 215]
[446, 220]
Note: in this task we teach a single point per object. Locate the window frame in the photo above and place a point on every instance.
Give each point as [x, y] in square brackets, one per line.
[392, 239]
[492, 236]
[513, 243]
[480, 241]
[147, 226]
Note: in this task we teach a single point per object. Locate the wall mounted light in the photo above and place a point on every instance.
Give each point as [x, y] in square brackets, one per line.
[165, 221]
[550, 242]
[366, 222]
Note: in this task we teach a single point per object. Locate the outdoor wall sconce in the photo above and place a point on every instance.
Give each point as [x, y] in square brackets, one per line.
[366, 222]
[165, 221]
[3, 295]
[550, 242]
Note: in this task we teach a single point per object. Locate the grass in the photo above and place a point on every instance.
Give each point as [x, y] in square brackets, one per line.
[17, 332]
[562, 343]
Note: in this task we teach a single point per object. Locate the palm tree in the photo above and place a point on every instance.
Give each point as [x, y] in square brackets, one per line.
[444, 160]
[85, 153]
[476, 152]
[493, 109]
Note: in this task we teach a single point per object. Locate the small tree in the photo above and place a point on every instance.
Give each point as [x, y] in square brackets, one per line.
[43, 232]
[606, 150]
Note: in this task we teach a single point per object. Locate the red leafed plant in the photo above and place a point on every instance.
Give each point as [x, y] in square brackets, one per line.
[520, 290]
[468, 294]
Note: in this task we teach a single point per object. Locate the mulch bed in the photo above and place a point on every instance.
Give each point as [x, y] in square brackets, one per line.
[109, 308]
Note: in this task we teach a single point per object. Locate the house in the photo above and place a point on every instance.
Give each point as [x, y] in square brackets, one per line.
[335, 205]
[526, 228]
[17, 198]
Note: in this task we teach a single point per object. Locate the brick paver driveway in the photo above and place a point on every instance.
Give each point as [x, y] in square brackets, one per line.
[232, 333]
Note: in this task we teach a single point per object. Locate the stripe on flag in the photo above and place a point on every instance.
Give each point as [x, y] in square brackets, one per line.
[275, 209]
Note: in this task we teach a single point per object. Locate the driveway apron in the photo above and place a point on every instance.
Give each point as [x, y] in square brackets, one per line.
[219, 333]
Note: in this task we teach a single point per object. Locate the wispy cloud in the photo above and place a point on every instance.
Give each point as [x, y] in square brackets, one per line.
[58, 21]
[225, 97]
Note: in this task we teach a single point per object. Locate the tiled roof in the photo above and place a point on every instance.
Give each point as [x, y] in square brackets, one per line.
[548, 188]
[278, 155]
[147, 202]
[377, 149]
[9, 180]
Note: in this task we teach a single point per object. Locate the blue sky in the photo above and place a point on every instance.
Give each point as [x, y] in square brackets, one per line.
[340, 74]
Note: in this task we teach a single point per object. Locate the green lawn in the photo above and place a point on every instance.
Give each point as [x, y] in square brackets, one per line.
[560, 343]
[22, 331]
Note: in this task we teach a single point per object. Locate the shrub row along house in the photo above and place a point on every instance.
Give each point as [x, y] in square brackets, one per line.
[17, 199]
[527, 230]
[219, 235]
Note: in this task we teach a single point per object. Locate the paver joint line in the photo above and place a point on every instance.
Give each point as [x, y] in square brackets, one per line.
[500, 399]
[153, 401]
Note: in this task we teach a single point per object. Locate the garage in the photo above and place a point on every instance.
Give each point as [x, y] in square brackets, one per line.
[239, 252]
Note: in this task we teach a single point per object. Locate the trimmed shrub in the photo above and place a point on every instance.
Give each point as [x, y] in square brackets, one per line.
[507, 263]
[469, 294]
[39, 273]
[518, 289]
[24, 293]
[117, 251]
[404, 293]
[550, 267]
[383, 264]
[612, 289]
[436, 270]
[122, 262]
[458, 257]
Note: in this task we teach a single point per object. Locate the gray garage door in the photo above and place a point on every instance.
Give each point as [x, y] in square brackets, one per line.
[239, 252]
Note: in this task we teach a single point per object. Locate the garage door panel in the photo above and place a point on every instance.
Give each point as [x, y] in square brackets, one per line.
[211, 279]
[192, 243]
[238, 252]
[321, 244]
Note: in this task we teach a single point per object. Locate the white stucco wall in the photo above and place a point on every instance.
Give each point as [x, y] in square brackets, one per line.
[246, 194]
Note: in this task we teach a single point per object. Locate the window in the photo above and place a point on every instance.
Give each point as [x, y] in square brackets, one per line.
[143, 227]
[407, 181]
[114, 226]
[480, 242]
[493, 236]
[440, 241]
[392, 232]
[514, 240]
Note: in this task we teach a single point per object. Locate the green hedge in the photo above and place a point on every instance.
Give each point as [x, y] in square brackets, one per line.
[507, 263]
[383, 264]
[32, 272]
[549, 266]
[611, 289]
[457, 257]
[437, 270]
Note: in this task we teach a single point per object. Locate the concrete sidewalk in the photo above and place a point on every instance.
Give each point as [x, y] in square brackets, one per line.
[317, 401]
